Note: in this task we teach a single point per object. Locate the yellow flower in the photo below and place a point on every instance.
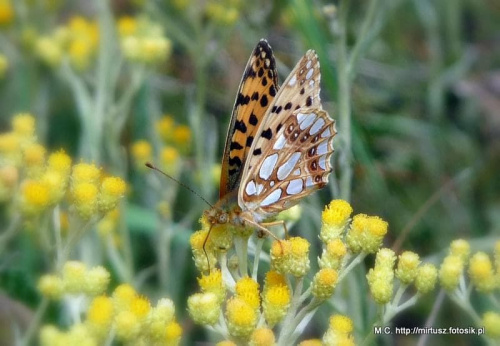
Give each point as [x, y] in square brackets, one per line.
[366, 233]
[204, 308]
[291, 256]
[165, 127]
[85, 172]
[141, 153]
[262, 337]
[241, 317]
[35, 196]
[197, 240]
[74, 276]
[213, 283]
[97, 281]
[169, 157]
[112, 189]
[339, 331]
[481, 272]
[160, 316]
[49, 51]
[407, 267]
[324, 283]
[85, 199]
[333, 255]
[334, 219]
[380, 278]
[56, 183]
[34, 156]
[426, 277]
[182, 135]
[60, 161]
[460, 248]
[173, 333]
[51, 286]
[248, 290]
[226, 343]
[100, 314]
[127, 26]
[126, 325]
[6, 12]
[273, 278]
[491, 323]
[450, 272]
[275, 303]
[10, 148]
[140, 306]
[23, 124]
[123, 296]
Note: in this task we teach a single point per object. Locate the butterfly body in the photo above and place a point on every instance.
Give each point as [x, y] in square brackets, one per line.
[278, 145]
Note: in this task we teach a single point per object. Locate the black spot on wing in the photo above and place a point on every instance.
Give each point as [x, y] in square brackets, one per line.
[250, 73]
[279, 127]
[309, 101]
[242, 99]
[264, 101]
[278, 109]
[249, 141]
[255, 96]
[288, 106]
[257, 152]
[302, 91]
[235, 145]
[272, 90]
[235, 161]
[264, 81]
[261, 72]
[253, 119]
[240, 126]
[267, 134]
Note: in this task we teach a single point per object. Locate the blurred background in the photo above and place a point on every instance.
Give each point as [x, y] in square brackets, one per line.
[414, 86]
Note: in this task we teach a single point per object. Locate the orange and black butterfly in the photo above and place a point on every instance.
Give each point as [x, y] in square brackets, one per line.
[278, 145]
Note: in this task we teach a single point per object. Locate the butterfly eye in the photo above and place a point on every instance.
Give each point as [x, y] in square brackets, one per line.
[223, 218]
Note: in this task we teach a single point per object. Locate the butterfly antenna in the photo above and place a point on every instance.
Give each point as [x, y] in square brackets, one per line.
[153, 167]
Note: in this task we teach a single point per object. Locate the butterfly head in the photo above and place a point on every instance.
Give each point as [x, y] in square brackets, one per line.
[217, 216]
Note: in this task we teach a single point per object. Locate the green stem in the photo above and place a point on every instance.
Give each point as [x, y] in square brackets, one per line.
[35, 322]
[10, 232]
[357, 260]
[256, 259]
[344, 100]
[287, 330]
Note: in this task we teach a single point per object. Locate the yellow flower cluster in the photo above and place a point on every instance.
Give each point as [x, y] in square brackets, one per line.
[78, 40]
[36, 182]
[276, 297]
[126, 314]
[76, 278]
[224, 12]
[6, 12]
[484, 274]
[143, 40]
[339, 332]
[291, 256]
[175, 141]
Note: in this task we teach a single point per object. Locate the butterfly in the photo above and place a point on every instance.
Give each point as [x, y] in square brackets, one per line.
[278, 145]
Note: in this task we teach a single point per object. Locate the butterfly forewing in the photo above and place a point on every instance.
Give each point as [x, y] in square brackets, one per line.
[290, 156]
[256, 92]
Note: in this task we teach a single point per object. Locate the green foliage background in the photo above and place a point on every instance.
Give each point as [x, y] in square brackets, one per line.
[412, 84]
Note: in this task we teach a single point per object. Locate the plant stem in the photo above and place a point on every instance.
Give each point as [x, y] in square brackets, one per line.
[357, 260]
[344, 100]
[35, 322]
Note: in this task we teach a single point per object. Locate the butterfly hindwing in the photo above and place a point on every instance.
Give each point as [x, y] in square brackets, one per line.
[290, 156]
[258, 87]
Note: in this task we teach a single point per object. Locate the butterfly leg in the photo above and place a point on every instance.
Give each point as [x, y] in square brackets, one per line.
[264, 230]
[278, 222]
[205, 247]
